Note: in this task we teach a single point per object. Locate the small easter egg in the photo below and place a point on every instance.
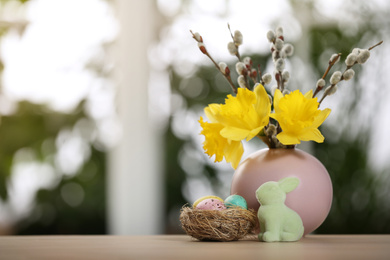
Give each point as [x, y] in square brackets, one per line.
[235, 201]
[206, 197]
[211, 204]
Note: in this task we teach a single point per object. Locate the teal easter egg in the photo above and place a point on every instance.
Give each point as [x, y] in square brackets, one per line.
[234, 201]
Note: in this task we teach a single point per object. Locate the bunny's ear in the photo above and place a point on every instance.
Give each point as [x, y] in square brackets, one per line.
[288, 184]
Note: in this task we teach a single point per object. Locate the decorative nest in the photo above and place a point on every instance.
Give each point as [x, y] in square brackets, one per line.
[218, 225]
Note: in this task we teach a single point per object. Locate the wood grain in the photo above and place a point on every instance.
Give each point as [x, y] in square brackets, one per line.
[173, 247]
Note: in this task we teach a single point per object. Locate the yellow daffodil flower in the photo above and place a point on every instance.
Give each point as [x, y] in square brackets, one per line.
[219, 146]
[241, 117]
[299, 117]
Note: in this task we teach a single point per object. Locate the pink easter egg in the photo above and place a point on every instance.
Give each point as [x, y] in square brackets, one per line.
[211, 204]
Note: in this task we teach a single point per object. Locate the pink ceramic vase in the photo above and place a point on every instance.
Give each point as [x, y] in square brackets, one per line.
[312, 199]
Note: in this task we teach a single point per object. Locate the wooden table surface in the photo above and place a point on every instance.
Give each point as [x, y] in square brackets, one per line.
[183, 247]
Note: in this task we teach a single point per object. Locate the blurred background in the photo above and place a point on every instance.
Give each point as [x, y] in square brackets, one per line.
[99, 102]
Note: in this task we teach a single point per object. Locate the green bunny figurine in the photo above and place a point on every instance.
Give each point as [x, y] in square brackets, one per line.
[277, 221]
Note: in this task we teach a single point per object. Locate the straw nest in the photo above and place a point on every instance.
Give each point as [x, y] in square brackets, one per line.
[218, 225]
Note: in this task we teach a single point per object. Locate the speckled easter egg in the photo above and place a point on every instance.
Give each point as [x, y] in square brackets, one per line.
[234, 201]
[211, 204]
[206, 197]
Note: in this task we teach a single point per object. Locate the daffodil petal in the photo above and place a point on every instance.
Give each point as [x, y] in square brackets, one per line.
[214, 143]
[263, 106]
[233, 153]
[309, 94]
[321, 117]
[234, 133]
[253, 133]
[277, 96]
[245, 96]
[287, 139]
[312, 134]
[274, 116]
[211, 112]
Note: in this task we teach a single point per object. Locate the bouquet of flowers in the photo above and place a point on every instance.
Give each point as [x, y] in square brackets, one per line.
[279, 117]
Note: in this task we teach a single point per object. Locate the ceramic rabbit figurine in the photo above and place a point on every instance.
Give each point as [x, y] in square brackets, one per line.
[277, 221]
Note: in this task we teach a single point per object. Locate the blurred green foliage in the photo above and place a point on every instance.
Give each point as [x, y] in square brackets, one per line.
[52, 215]
[357, 207]
[31, 126]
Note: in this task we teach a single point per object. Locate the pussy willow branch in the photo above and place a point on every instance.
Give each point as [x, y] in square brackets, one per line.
[279, 80]
[372, 47]
[239, 57]
[331, 63]
[238, 52]
[259, 74]
[227, 77]
[342, 77]
[278, 74]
